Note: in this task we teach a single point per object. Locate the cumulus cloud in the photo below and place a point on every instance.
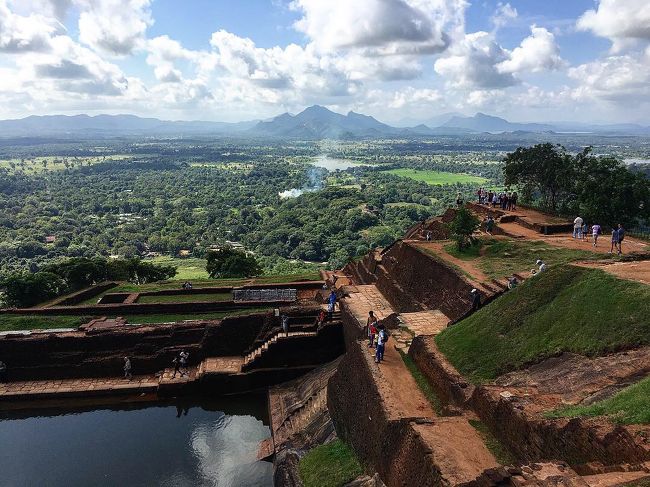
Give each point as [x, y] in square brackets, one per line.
[25, 33]
[380, 26]
[623, 79]
[472, 63]
[537, 52]
[115, 27]
[504, 14]
[621, 21]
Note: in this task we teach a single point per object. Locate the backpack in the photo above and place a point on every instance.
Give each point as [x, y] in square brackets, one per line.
[386, 336]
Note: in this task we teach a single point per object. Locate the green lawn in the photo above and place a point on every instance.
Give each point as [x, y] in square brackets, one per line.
[500, 258]
[186, 298]
[189, 269]
[331, 465]
[629, 406]
[437, 177]
[565, 309]
[29, 322]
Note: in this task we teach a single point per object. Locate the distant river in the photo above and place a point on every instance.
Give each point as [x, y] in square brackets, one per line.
[184, 444]
[636, 161]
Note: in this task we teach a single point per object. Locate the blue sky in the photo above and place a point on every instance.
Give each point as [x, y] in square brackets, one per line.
[403, 61]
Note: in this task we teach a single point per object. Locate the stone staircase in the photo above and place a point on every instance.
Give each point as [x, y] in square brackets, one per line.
[251, 357]
[302, 416]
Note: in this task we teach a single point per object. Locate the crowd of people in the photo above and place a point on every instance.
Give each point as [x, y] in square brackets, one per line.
[582, 231]
[506, 200]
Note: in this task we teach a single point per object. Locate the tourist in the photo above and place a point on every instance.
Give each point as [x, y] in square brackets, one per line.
[476, 299]
[584, 231]
[489, 198]
[127, 368]
[429, 236]
[514, 200]
[541, 264]
[382, 336]
[320, 319]
[621, 237]
[177, 365]
[3, 371]
[489, 225]
[595, 231]
[372, 330]
[182, 359]
[459, 200]
[614, 240]
[479, 194]
[577, 227]
[512, 282]
[285, 324]
[495, 200]
[331, 305]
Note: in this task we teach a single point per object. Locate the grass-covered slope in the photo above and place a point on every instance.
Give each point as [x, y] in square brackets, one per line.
[329, 465]
[630, 406]
[566, 309]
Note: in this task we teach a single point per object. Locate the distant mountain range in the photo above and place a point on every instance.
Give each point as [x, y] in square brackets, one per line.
[315, 122]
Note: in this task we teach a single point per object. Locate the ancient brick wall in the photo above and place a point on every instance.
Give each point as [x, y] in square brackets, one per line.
[84, 294]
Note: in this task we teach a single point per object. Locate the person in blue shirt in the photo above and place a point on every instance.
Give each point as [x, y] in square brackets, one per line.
[331, 304]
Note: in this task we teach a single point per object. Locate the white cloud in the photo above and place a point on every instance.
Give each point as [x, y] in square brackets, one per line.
[115, 27]
[537, 52]
[380, 26]
[621, 21]
[25, 33]
[503, 14]
[472, 63]
[622, 79]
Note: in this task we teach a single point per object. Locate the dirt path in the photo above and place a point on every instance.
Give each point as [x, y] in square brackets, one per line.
[566, 240]
[466, 266]
[634, 271]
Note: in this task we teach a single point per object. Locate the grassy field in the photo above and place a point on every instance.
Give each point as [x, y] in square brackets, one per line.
[57, 163]
[186, 298]
[190, 269]
[500, 258]
[437, 177]
[17, 322]
[565, 309]
[629, 406]
[330, 465]
[35, 322]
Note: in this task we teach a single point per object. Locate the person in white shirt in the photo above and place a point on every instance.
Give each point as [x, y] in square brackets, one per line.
[577, 227]
[542, 265]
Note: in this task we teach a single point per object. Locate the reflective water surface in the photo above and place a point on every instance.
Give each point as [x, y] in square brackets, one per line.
[204, 443]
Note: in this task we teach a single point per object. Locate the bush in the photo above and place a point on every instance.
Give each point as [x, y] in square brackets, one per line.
[228, 262]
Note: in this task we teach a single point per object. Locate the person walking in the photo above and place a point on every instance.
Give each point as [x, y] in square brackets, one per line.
[331, 305]
[285, 324]
[614, 240]
[127, 368]
[371, 325]
[182, 358]
[577, 227]
[621, 237]
[382, 337]
[476, 299]
[595, 232]
[489, 225]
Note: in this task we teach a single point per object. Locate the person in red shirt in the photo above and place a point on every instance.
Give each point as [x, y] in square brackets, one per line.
[372, 329]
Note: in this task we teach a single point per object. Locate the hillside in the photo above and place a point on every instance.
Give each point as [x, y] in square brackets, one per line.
[566, 309]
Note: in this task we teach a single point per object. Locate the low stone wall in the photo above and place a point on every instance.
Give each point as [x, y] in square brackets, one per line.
[100, 353]
[84, 294]
[389, 446]
[577, 441]
[450, 386]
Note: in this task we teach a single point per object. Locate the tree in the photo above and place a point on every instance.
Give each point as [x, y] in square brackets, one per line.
[463, 226]
[228, 262]
[28, 289]
[545, 169]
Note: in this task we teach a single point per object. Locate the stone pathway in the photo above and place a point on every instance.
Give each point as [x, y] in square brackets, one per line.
[429, 322]
[40, 389]
[458, 451]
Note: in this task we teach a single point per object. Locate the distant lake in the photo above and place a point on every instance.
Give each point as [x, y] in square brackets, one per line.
[334, 164]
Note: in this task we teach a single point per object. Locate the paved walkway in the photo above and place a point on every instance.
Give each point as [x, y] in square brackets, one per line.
[40, 389]
[429, 322]
[458, 451]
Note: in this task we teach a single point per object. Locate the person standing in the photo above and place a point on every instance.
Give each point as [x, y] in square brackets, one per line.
[285, 324]
[621, 237]
[489, 225]
[127, 368]
[476, 299]
[382, 336]
[595, 231]
[182, 358]
[614, 240]
[577, 227]
[514, 200]
[331, 305]
[177, 366]
[371, 325]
